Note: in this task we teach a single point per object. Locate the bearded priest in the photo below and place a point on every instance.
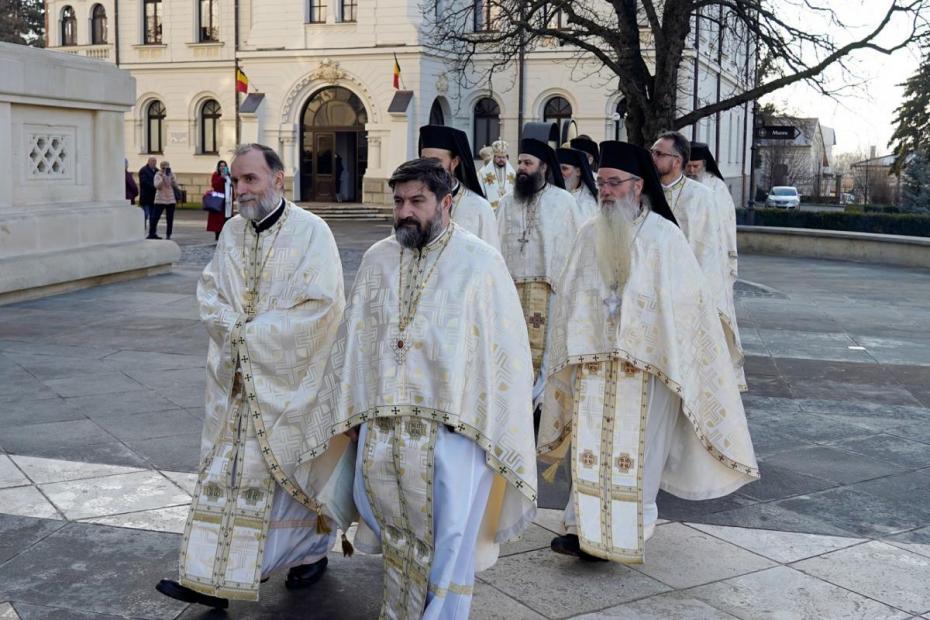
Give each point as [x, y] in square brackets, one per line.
[537, 228]
[579, 181]
[700, 220]
[703, 168]
[271, 299]
[431, 373]
[641, 387]
[470, 210]
[497, 176]
[589, 147]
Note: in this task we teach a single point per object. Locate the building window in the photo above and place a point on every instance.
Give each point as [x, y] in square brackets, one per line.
[557, 110]
[98, 25]
[317, 11]
[349, 10]
[209, 20]
[482, 11]
[210, 113]
[68, 26]
[436, 117]
[155, 127]
[554, 18]
[153, 16]
[487, 123]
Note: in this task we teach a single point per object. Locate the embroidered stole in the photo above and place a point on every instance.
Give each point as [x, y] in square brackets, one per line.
[608, 445]
[534, 298]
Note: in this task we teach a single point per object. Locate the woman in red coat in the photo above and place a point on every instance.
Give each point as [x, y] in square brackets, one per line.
[221, 183]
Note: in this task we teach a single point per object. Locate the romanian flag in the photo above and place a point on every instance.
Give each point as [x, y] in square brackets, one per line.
[242, 82]
[396, 72]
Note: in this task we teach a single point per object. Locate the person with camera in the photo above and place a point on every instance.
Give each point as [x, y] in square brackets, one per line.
[166, 190]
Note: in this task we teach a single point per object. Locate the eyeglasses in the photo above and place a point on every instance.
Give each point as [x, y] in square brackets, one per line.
[612, 183]
[658, 153]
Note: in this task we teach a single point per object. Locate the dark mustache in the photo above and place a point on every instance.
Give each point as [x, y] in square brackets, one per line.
[407, 221]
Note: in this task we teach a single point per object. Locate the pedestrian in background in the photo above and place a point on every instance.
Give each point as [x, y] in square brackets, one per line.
[132, 190]
[220, 183]
[165, 200]
[147, 189]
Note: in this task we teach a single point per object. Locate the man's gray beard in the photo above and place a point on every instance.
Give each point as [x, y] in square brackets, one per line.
[415, 237]
[573, 183]
[257, 210]
[613, 245]
[700, 177]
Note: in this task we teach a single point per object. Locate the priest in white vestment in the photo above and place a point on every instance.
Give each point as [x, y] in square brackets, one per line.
[271, 299]
[497, 176]
[588, 146]
[641, 390]
[537, 227]
[700, 220]
[579, 182]
[432, 370]
[703, 168]
[470, 210]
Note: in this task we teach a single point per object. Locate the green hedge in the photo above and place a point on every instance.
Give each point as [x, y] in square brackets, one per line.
[883, 223]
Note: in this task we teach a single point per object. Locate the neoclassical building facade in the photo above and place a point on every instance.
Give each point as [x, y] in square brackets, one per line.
[321, 92]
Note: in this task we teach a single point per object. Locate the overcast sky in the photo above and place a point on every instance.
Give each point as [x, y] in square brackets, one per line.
[862, 114]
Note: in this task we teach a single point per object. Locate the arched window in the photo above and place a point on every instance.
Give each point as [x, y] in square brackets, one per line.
[557, 110]
[436, 117]
[210, 113]
[487, 123]
[209, 20]
[619, 123]
[68, 26]
[155, 127]
[98, 25]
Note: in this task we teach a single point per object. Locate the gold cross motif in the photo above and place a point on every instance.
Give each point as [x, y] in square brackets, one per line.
[624, 463]
[588, 459]
[252, 496]
[627, 368]
[213, 491]
[536, 320]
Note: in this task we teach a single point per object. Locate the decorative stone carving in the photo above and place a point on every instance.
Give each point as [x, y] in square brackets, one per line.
[49, 152]
[442, 84]
[298, 91]
[328, 71]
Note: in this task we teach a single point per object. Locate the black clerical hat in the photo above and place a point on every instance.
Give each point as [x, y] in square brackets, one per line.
[637, 160]
[700, 151]
[541, 150]
[589, 146]
[579, 159]
[456, 142]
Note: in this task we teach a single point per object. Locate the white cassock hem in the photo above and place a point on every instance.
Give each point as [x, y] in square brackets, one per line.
[292, 536]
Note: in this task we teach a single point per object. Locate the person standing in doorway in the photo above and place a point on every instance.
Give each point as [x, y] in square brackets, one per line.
[147, 189]
[165, 184]
[220, 183]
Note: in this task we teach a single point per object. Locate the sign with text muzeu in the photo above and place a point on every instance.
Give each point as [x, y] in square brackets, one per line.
[777, 132]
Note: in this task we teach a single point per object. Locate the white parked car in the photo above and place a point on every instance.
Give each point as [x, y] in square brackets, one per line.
[783, 197]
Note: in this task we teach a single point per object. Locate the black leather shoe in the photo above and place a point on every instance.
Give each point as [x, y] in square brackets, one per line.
[153, 237]
[172, 588]
[305, 575]
[569, 545]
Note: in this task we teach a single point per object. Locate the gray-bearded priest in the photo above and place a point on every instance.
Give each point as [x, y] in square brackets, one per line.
[470, 210]
[642, 388]
[537, 228]
[700, 220]
[271, 300]
[703, 168]
[579, 181]
[432, 367]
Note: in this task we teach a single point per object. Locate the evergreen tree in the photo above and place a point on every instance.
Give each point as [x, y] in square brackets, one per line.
[22, 22]
[912, 119]
[916, 185]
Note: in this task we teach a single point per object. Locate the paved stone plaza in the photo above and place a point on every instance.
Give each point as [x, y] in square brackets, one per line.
[101, 425]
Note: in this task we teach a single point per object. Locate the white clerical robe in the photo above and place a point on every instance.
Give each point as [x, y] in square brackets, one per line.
[661, 354]
[474, 214]
[700, 220]
[536, 237]
[727, 208]
[271, 302]
[496, 182]
[446, 464]
[586, 202]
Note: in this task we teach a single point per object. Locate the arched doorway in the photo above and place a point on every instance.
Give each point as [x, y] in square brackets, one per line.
[333, 146]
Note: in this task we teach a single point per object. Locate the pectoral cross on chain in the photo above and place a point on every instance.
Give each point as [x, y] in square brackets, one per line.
[613, 303]
[523, 240]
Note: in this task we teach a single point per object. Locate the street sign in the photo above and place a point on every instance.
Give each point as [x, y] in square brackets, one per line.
[777, 132]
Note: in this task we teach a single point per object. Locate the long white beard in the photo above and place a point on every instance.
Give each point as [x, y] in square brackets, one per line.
[614, 239]
[257, 208]
[572, 183]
